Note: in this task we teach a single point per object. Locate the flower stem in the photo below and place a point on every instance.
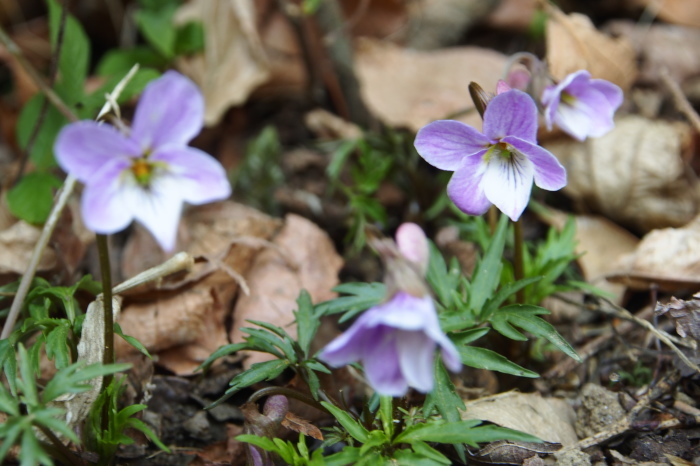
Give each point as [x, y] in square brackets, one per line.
[108, 355]
[518, 265]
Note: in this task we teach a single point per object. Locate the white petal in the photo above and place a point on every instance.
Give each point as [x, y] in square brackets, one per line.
[507, 183]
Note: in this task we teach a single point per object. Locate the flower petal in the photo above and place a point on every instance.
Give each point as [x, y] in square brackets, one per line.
[82, 148]
[158, 208]
[512, 113]
[382, 366]
[465, 187]
[171, 110]
[549, 173]
[551, 99]
[350, 346]
[201, 178]
[413, 245]
[445, 143]
[417, 359]
[610, 91]
[403, 311]
[507, 183]
[104, 205]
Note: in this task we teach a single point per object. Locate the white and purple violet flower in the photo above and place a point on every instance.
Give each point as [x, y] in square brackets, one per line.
[147, 174]
[581, 106]
[396, 340]
[497, 166]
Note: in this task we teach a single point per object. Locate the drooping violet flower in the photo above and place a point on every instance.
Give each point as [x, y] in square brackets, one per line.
[581, 106]
[396, 340]
[498, 165]
[147, 174]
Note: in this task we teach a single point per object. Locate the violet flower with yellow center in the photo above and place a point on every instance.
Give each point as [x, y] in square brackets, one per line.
[147, 174]
[497, 166]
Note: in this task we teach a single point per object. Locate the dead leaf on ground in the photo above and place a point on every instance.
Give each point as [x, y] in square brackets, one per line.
[304, 258]
[550, 419]
[684, 12]
[396, 88]
[599, 244]
[634, 175]
[659, 47]
[573, 43]
[668, 258]
[186, 323]
[233, 62]
[293, 422]
[513, 15]
[686, 314]
[17, 244]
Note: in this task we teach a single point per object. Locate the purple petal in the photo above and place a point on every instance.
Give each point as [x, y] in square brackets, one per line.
[450, 356]
[445, 143]
[382, 366]
[551, 99]
[512, 113]
[349, 346]
[171, 110]
[549, 173]
[104, 206]
[158, 208]
[413, 245]
[465, 188]
[403, 311]
[201, 178]
[612, 93]
[417, 359]
[82, 148]
[507, 183]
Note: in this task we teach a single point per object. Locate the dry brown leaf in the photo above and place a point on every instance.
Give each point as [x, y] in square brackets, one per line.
[293, 422]
[573, 43]
[185, 324]
[550, 419]
[397, 89]
[233, 63]
[16, 245]
[305, 258]
[662, 46]
[513, 15]
[684, 12]
[686, 315]
[668, 258]
[634, 175]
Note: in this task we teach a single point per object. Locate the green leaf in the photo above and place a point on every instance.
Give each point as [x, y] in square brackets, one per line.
[482, 358]
[468, 336]
[189, 38]
[221, 352]
[158, 29]
[354, 428]
[493, 433]
[339, 157]
[362, 297]
[440, 432]
[348, 455]
[488, 270]
[258, 372]
[94, 102]
[27, 382]
[275, 336]
[118, 62]
[425, 450]
[75, 378]
[444, 398]
[57, 344]
[8, 403]
[307, 324]
[442, 280]
[32, 198]
[132, 341]
[504, 293]
[42, 150]
[74, 55]
[525, 317]
[145, 430]
[8, 361]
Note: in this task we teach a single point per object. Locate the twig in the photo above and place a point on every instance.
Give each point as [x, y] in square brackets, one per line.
[680, 99]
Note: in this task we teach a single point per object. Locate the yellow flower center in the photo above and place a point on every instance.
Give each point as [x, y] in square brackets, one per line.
[143, 171]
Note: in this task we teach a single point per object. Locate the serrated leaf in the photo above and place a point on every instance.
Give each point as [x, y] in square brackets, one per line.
[32, 198]
[57, 345]
[362, 297]
[258, 372]
[488, 270]
[482, 358]
[307, 324]
[443, 397]
[74, 379]
[274, 336]
[354, 428]
[526, 318]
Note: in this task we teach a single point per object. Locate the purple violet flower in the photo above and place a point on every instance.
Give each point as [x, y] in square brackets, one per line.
[581, 106]
[396, 340]
[498, 165]
[147, 174]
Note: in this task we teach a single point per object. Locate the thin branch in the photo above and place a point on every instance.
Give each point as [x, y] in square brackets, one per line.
[681, 100]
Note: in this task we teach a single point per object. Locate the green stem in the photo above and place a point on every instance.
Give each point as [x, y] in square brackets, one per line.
[108, 355]
[492, 218]
[518, 266]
